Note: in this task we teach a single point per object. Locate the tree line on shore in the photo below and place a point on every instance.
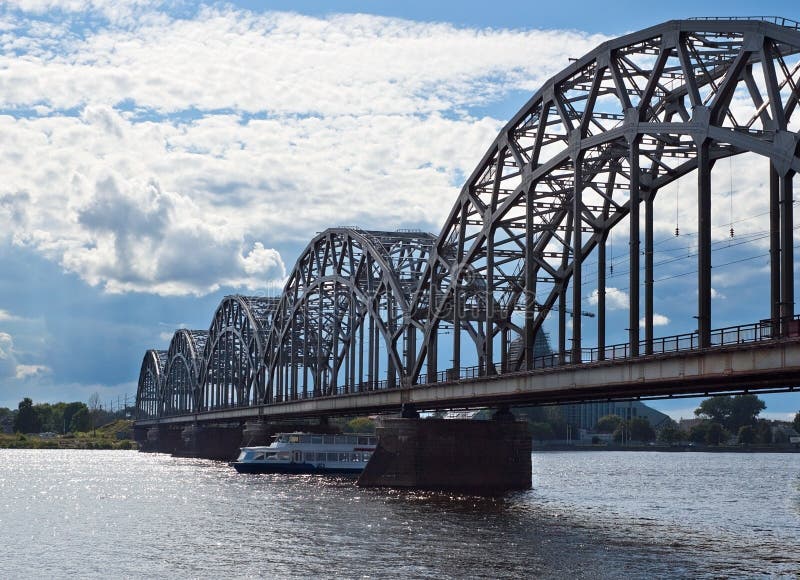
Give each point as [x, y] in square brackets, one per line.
[58, 418]
[718, 420]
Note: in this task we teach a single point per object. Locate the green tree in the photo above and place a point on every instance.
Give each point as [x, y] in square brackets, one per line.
[747, 435]
[641, 430]
[6, 420]
[81, 421]
[94, 409]
[621, 433]
[608, 423]
[69, 412]
[360, 425]
[745, 410]
[763, 432]
[670, 434]
[44, 413]
[731, 412]
[715, 434]
[697, 434]
[27, 420]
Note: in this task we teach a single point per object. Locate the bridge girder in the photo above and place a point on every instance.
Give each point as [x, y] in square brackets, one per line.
[151, 384]
[232, 371]
[603, 136]
[181, 388]
[345, 303]
[581, 159]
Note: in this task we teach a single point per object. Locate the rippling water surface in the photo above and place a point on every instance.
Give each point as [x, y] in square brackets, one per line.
[589, 515]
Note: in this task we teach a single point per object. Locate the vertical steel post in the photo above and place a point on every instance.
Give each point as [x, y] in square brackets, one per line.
[577, 258]
[530, 281]
[601, 298]
[562, 322]
[361, 354]
[456, 319]
[433, 347]
[633, 311]
[787, 249]
[411, 349]
[293, 355]
[648, 274]
[489, 342]
[774, 250]
[371, 353]
[704, 245]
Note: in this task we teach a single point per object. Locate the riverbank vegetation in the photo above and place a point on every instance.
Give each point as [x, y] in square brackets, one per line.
[62, 425]
[115, 435]
[722, 422]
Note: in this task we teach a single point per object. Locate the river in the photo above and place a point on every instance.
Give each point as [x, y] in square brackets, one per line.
[123, 514]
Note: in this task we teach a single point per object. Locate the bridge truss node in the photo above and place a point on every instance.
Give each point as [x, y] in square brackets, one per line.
[233, 360]
[182, 372]
[151, 384]
[343, 323]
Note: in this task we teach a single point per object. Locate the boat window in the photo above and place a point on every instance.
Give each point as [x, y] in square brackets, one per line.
[320, 457]
[310, 456]
[363, 440]
[317, 439]
[281, 439]
[351, 439]
[294, 439]
[305, 439]
[258, 457]
[270, 454]
[355, 457]
[367, 455]
[333, 457]
[283, 455]
[329, 439]
[242, 455]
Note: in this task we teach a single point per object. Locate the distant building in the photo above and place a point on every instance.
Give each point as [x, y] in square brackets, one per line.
[687, 424]
[585, 415]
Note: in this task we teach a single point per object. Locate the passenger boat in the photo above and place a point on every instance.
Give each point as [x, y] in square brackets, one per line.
[308, 453]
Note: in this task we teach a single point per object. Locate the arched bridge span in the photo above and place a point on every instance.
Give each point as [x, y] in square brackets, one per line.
[587, 157]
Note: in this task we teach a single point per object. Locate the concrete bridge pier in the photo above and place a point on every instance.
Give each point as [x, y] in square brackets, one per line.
[161, 439]
[459, 455]
[256, 433]
[214, 441]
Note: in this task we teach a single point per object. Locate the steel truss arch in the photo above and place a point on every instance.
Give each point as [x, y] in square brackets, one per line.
[233, 359]
[599, 138]
[345, 307]
[149, 391]
[182, 372]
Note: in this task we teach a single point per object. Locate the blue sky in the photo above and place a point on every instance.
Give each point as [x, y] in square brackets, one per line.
[160, 155]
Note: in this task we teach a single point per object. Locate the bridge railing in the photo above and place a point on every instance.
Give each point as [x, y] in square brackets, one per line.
[732, 335]
[779, 20]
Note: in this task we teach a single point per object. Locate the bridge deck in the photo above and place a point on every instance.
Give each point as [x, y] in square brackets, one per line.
[766, 365]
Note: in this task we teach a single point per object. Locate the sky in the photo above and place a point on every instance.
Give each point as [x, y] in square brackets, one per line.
[157, 156]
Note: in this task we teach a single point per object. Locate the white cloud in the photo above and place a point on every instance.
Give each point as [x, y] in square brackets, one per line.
[717, 294]
[5, 315]
[202, 143]
[658, 320]
[615, 298]
[25, 371]
[10, 366]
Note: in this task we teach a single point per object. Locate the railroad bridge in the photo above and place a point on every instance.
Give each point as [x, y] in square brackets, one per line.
[372, 321]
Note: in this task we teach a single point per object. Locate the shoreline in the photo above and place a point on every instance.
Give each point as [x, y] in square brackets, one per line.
[671, 449]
